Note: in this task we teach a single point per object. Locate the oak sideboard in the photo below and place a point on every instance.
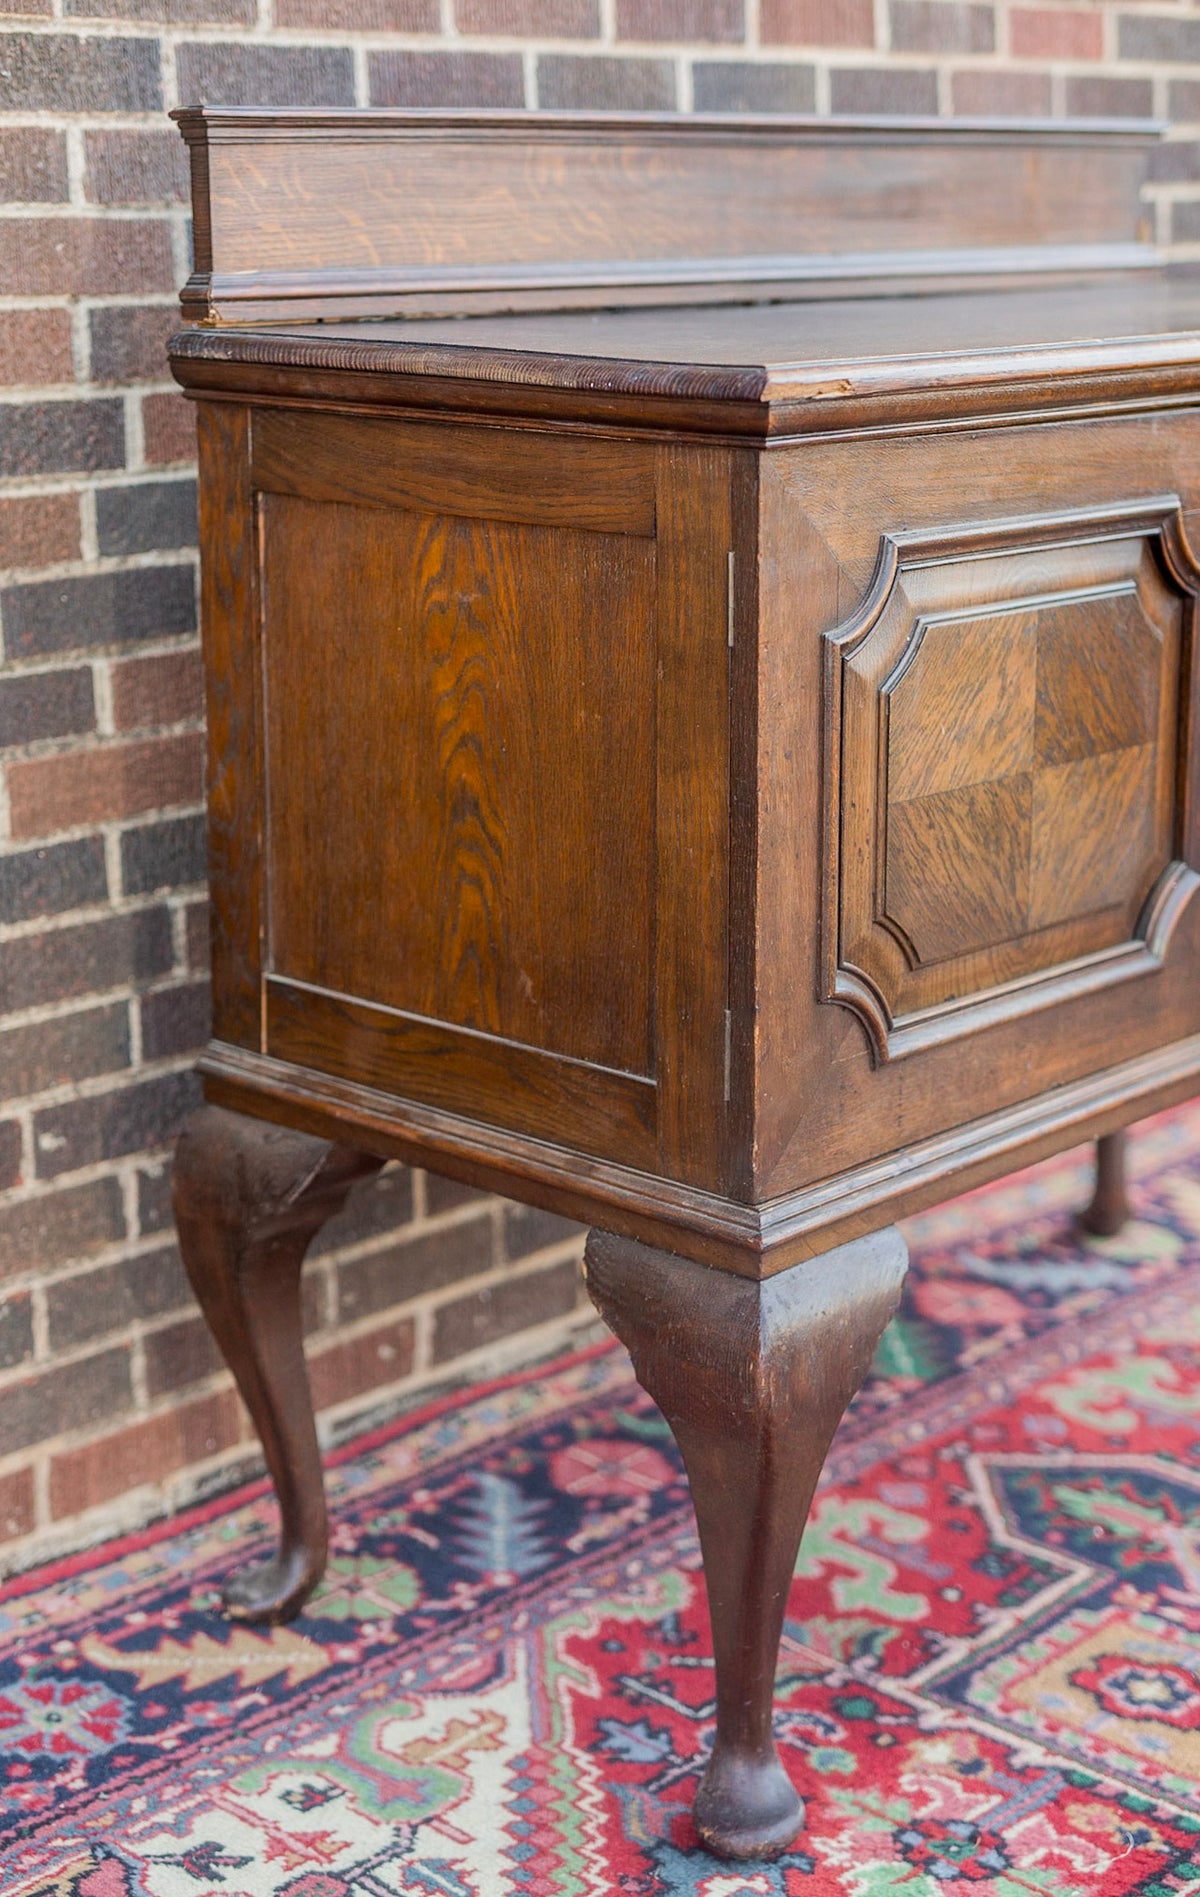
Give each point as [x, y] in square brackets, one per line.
[700, 629]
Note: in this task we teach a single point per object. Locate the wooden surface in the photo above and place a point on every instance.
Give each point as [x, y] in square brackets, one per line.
[728, 774]
[353, 213]
[753, 1380]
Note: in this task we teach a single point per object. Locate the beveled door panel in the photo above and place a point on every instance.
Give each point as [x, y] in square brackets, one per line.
[1002, 814]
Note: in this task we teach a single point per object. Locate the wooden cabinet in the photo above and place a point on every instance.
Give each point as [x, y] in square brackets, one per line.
[699, 620]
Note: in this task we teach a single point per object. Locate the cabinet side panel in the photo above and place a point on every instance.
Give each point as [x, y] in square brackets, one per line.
[230, 632]
[459, 724]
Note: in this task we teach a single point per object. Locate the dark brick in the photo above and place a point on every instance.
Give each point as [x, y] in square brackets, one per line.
[264, 76]
[163, 688]
[61, 437]
[169, 12]
[70, 1048]
[102, 609]
[446, 79]
[942, 26]
[86, 959]
[38, 529]
[1169, 41]
[130, 345]
[198, 925]
[483, 1317]
[35, 348]
[16, 1330]
[54, 1228]
[418, 1265]
[528, 1229]
[85, 256]
[1183, 102]
[164, 855]
[180, 1354]
[176, 1020]
[49, 880]
[46, 705]
[10, 1154]
[526, 19]
[738, 86]
[355, 1365]
[1175, 162]
[70, 1396]
[93, 1303]
[1001, 94]
[17, 1504]
[884, 89]
[146, 516]
[1109, 98]
[631, 85]
[154, 1201]
[136, 168]
[61, 72]
[691, 20]
[442, 1194]
[1185, 223]
[33, 165]
[381, 1205]
[130, 1119]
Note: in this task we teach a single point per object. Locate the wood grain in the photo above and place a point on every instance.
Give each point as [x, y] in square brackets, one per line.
[500, 729]
[369, 211]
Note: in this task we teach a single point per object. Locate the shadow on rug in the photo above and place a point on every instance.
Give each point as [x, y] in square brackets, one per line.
[989, 1680]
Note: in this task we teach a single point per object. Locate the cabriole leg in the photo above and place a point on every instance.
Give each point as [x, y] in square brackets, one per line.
[249, 1197]
[753, 1378]
[1109, 1207]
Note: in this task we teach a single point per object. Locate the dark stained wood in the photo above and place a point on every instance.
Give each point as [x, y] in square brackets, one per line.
[228, 615]
[1108, 1209]
[753, 1380]
[249, 1198]
[353, 213]
[503, 729]
[730, 775]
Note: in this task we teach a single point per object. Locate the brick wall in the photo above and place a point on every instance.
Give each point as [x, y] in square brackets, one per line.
[111, 1403]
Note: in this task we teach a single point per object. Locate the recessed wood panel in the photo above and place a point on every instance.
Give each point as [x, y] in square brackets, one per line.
[1003, 794]
[460, 731]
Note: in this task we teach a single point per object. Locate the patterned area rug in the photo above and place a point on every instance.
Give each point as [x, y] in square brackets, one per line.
[990, 1678]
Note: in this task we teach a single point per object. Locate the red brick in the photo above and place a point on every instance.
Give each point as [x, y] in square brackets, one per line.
[130, 344]
[16, 1504]
[33, 165]
[620, 85]
[446, 78]
[543, 19]
[38, 530]
[1055, 33]
[1000, 94]
[360, 16]
[67, 1396]
[165, 689]
[1097, 97]
[168, 429]
[358, 1364]
[144, 1452]
[104, 784]
[136, 168]
[704, 20]
[35, 347]
[42, 8]
[818, 22]
[85, 256]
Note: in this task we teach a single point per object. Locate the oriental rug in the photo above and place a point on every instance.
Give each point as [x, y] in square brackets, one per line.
[990, 1676]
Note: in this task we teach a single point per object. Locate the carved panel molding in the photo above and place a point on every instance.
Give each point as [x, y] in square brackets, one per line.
[1010, 769]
